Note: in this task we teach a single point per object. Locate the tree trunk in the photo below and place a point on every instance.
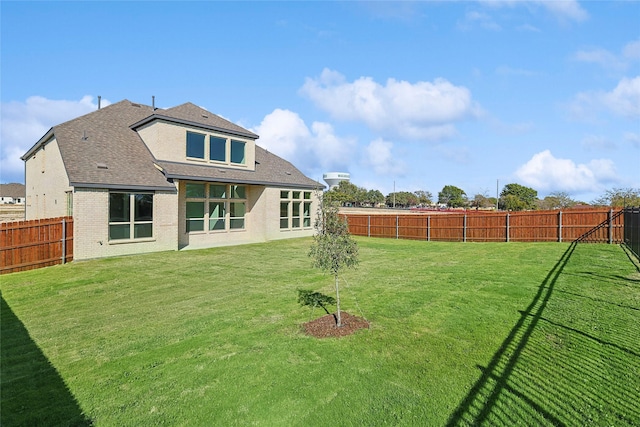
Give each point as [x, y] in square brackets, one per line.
[338, 318]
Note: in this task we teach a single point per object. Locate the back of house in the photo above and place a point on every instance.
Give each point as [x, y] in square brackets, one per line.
[140, 179]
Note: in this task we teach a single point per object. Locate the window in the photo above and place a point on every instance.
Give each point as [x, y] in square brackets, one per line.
[219, 149]
[195, 145]
[237, 152]
[130, 216]
[295, 209]
[222, 207]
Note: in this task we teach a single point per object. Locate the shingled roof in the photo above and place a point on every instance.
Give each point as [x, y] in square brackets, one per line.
[103, 150]
[270, 170]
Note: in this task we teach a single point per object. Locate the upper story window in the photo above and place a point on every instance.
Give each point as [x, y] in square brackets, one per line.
[195, 145]
[237, 152]
[218, 149]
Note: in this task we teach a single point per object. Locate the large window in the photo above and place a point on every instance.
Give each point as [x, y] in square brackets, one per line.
[237, 152]
[215, 207]
[219, 149]
[295, 209]
[130, 216]
[195, 145]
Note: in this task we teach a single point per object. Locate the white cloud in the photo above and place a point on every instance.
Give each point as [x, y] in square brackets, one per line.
[547, 173]
[623, 100]
[24, 123]
[378, 155]
[474, 19]
[598, 142]
[562, 9]
[284, 133]
[423, 110]
[630, 53]
[633, 138]
[600, 57]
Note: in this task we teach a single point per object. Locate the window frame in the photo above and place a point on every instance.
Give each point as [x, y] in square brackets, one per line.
[297, 204]
[233, 194]
[133, 220]
[235, 149]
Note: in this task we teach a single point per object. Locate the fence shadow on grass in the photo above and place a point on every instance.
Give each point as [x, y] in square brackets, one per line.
[32, 392]
[556, 372]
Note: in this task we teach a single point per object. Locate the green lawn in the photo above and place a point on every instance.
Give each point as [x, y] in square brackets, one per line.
[461, 334]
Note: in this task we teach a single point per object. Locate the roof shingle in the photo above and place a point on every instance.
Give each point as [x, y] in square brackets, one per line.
[102, 149]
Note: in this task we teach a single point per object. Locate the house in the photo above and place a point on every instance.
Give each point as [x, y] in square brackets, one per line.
[13, 193]
[140, 179]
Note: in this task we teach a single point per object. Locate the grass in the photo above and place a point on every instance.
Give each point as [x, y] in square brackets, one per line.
[462, 334]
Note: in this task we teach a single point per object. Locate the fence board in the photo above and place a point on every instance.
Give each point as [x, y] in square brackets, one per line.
[25, 245]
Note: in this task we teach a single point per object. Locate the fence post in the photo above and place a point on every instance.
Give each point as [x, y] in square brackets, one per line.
[507, 226]
[368, 225]
[464, 228]
[64, 240]
[560, 226]
[428, 228]
[609, 218]
[397, 224]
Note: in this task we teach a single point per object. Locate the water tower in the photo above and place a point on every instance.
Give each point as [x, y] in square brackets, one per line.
[334, 178]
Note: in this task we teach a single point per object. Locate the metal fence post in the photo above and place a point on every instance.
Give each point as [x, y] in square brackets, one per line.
[609, 216]
[507, 226]
[560, 226]
[464, 228]
[64, 240]
[369, 226]
[397, 227]
[428, 228]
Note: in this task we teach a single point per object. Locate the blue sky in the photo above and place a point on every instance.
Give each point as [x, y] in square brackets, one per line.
[413, 94]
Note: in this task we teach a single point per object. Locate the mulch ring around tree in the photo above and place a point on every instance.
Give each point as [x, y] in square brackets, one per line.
[325, 326]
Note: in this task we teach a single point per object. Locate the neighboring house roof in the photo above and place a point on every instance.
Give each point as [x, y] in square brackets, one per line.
[14, 190]
[270, 170]
[103, 150]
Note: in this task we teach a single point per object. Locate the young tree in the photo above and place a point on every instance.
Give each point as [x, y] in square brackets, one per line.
[333, 248]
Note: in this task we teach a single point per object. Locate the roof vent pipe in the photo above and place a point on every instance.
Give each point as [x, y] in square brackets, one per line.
[153, 101]
[99, 98]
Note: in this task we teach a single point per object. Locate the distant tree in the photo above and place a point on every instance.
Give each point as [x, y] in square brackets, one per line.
[619, 197]
[424, 197]
[557, 200]
[346, 192]
[516, 197]
[375, 197]
[452, 196]
[483, 201]
[333, 248]
[402, 199]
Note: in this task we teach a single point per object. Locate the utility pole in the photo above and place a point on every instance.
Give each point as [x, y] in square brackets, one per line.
[497, 185]
[394, 194]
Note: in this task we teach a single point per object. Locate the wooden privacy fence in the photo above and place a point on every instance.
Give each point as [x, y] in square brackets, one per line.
[473, 226]
[25, 245]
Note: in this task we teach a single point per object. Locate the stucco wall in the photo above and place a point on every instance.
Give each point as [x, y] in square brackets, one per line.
[46, 183]
[168, 141]
[262, 221]
[91, 226]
